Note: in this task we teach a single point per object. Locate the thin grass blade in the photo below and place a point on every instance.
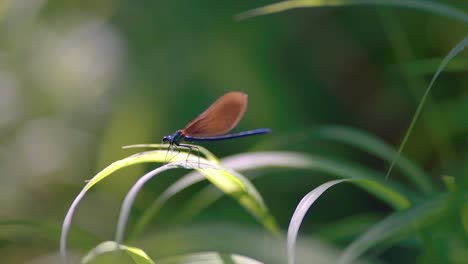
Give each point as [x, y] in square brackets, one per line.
[454, 52]
[420, 5]
[375, 146]
[428, 66]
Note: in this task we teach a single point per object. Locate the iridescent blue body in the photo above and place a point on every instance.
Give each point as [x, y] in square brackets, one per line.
[178, 137]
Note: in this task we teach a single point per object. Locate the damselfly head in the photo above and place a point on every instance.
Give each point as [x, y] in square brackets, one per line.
[167, 139]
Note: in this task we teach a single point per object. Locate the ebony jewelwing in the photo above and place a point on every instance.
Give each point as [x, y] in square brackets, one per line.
[215, 122]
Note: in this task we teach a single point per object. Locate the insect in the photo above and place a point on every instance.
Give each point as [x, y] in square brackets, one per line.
[215, 122]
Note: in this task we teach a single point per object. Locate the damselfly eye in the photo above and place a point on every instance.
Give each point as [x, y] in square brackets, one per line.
[166, 139]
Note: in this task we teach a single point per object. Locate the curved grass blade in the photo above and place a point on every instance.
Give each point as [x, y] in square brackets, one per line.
[143, 157]
[304, 205]
[299, 214]
[364, 142]
[247, 240]
[138, 255]
[396, 223]
[181, 184]
[241, 162]
[392, 193]
[228, 181]
[208, 155]
[150, 156]
[427, 6]
[378, 148]
[395, 195]
[389, 193]
[209, 257]
[455, 51]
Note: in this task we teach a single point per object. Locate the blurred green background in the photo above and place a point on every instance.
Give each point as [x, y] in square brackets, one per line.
[80, 79]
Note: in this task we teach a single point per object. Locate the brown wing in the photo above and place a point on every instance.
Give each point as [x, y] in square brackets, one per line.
[222, 116]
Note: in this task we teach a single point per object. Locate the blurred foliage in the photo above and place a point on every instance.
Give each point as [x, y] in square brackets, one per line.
[80, 79]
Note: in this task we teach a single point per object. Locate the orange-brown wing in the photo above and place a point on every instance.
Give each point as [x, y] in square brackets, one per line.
[222, 116]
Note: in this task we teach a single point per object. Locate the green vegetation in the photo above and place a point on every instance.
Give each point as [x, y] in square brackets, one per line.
[78, 80]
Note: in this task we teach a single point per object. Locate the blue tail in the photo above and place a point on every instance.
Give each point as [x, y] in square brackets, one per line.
[257, 131]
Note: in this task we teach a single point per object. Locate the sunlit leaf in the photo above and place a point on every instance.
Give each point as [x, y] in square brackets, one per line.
[390, 192]
[208, 155]
[228, 181]
[150, 156]
[240, 162]
[137, 255]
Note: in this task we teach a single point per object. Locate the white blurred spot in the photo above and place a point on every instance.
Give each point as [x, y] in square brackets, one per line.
[77, 65]
[42, 146]
[47, 146]
[16, 11]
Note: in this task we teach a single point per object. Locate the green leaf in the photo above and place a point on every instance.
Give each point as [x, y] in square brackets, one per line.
[427, 6]
[208, 155]
[209, 257]
[228, 181]
[450, 183]
[464, 218]
[138, 255]
[396, 223]
[245, 239]
[240, 162]
[150, 156]
[393, 194]
[390, 192]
